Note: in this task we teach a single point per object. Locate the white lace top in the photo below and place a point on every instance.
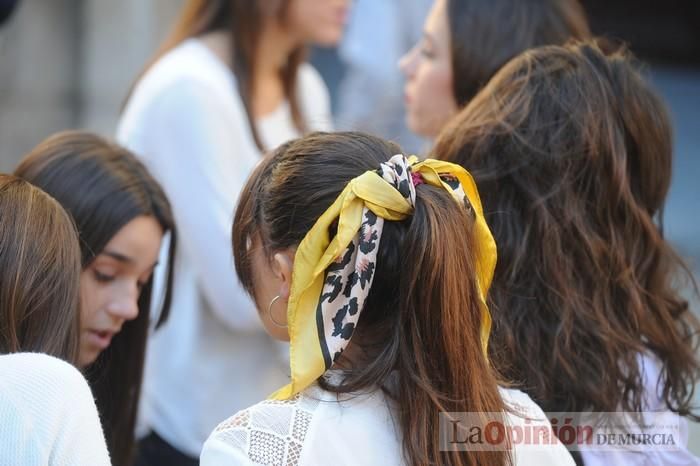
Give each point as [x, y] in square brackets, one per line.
[314, 428]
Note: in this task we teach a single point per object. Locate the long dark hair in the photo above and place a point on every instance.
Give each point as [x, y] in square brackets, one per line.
[39, 273]
[572, 153]
[421, 319]
[485, 34]
[244, 20]
[104, 187]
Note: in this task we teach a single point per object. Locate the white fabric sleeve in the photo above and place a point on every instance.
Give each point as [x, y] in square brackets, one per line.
[270, 432]
[47, 414]
[202, 152]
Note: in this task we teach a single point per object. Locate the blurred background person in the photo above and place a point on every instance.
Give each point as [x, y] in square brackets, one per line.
[122, 215]
[465, 42]
[47, 415]
[229, 83]
[370, 93]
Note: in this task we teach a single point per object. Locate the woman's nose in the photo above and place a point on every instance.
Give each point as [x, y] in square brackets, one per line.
[407, 63]
[125, 304]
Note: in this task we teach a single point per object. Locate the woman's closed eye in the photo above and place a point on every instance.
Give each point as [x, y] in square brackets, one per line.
[103, 277]
[426, 51]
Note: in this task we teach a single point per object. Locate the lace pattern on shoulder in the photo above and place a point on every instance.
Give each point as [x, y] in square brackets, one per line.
[271, 432]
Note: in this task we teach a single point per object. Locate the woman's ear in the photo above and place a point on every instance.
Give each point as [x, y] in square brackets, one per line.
[282, 267]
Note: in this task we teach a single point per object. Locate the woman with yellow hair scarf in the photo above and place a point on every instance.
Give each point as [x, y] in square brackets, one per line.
[375, 267]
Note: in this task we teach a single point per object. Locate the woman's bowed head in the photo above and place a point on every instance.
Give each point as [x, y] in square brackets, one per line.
[122, 215]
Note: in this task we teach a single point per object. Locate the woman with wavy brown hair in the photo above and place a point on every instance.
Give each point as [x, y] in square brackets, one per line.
[572, 153]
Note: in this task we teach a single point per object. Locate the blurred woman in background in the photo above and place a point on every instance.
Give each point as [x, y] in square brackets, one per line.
[47, 415]
[466, 41]
[122, 215]
[572, 153]
[229, 83]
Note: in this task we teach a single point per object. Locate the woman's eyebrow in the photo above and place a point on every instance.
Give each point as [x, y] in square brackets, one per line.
[118, 256]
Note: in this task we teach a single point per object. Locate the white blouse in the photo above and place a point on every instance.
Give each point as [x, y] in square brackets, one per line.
[315, 429]
[186, 122]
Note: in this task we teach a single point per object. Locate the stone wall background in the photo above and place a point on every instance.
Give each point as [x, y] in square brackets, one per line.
[69, 63]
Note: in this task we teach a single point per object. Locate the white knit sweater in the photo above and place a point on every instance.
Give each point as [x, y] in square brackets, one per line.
[47, 414]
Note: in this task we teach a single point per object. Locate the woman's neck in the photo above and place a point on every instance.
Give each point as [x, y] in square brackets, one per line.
[274, 48]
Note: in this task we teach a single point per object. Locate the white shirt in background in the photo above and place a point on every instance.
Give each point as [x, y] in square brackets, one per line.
[186, 122]
[653, 405]
[47, 414]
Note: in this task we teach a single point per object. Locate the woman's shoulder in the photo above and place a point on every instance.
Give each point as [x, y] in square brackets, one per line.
[188, 85]
[190, 65]
[47, 411]
[36, 372]
[523, 413]
[270, 432]
[311, 428]
[520, 402]
[41, 384]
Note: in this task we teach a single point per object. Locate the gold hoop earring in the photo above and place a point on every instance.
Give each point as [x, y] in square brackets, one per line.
[269, 312]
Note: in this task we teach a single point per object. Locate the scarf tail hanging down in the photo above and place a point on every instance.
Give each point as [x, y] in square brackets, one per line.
[332, 277]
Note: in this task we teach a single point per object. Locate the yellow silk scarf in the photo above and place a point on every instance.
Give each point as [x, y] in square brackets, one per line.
[317, 251]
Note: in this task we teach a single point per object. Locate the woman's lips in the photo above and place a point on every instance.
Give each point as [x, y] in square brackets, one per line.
[100, 338]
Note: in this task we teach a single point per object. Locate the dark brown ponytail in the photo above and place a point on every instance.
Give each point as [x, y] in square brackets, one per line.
[418, 336]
